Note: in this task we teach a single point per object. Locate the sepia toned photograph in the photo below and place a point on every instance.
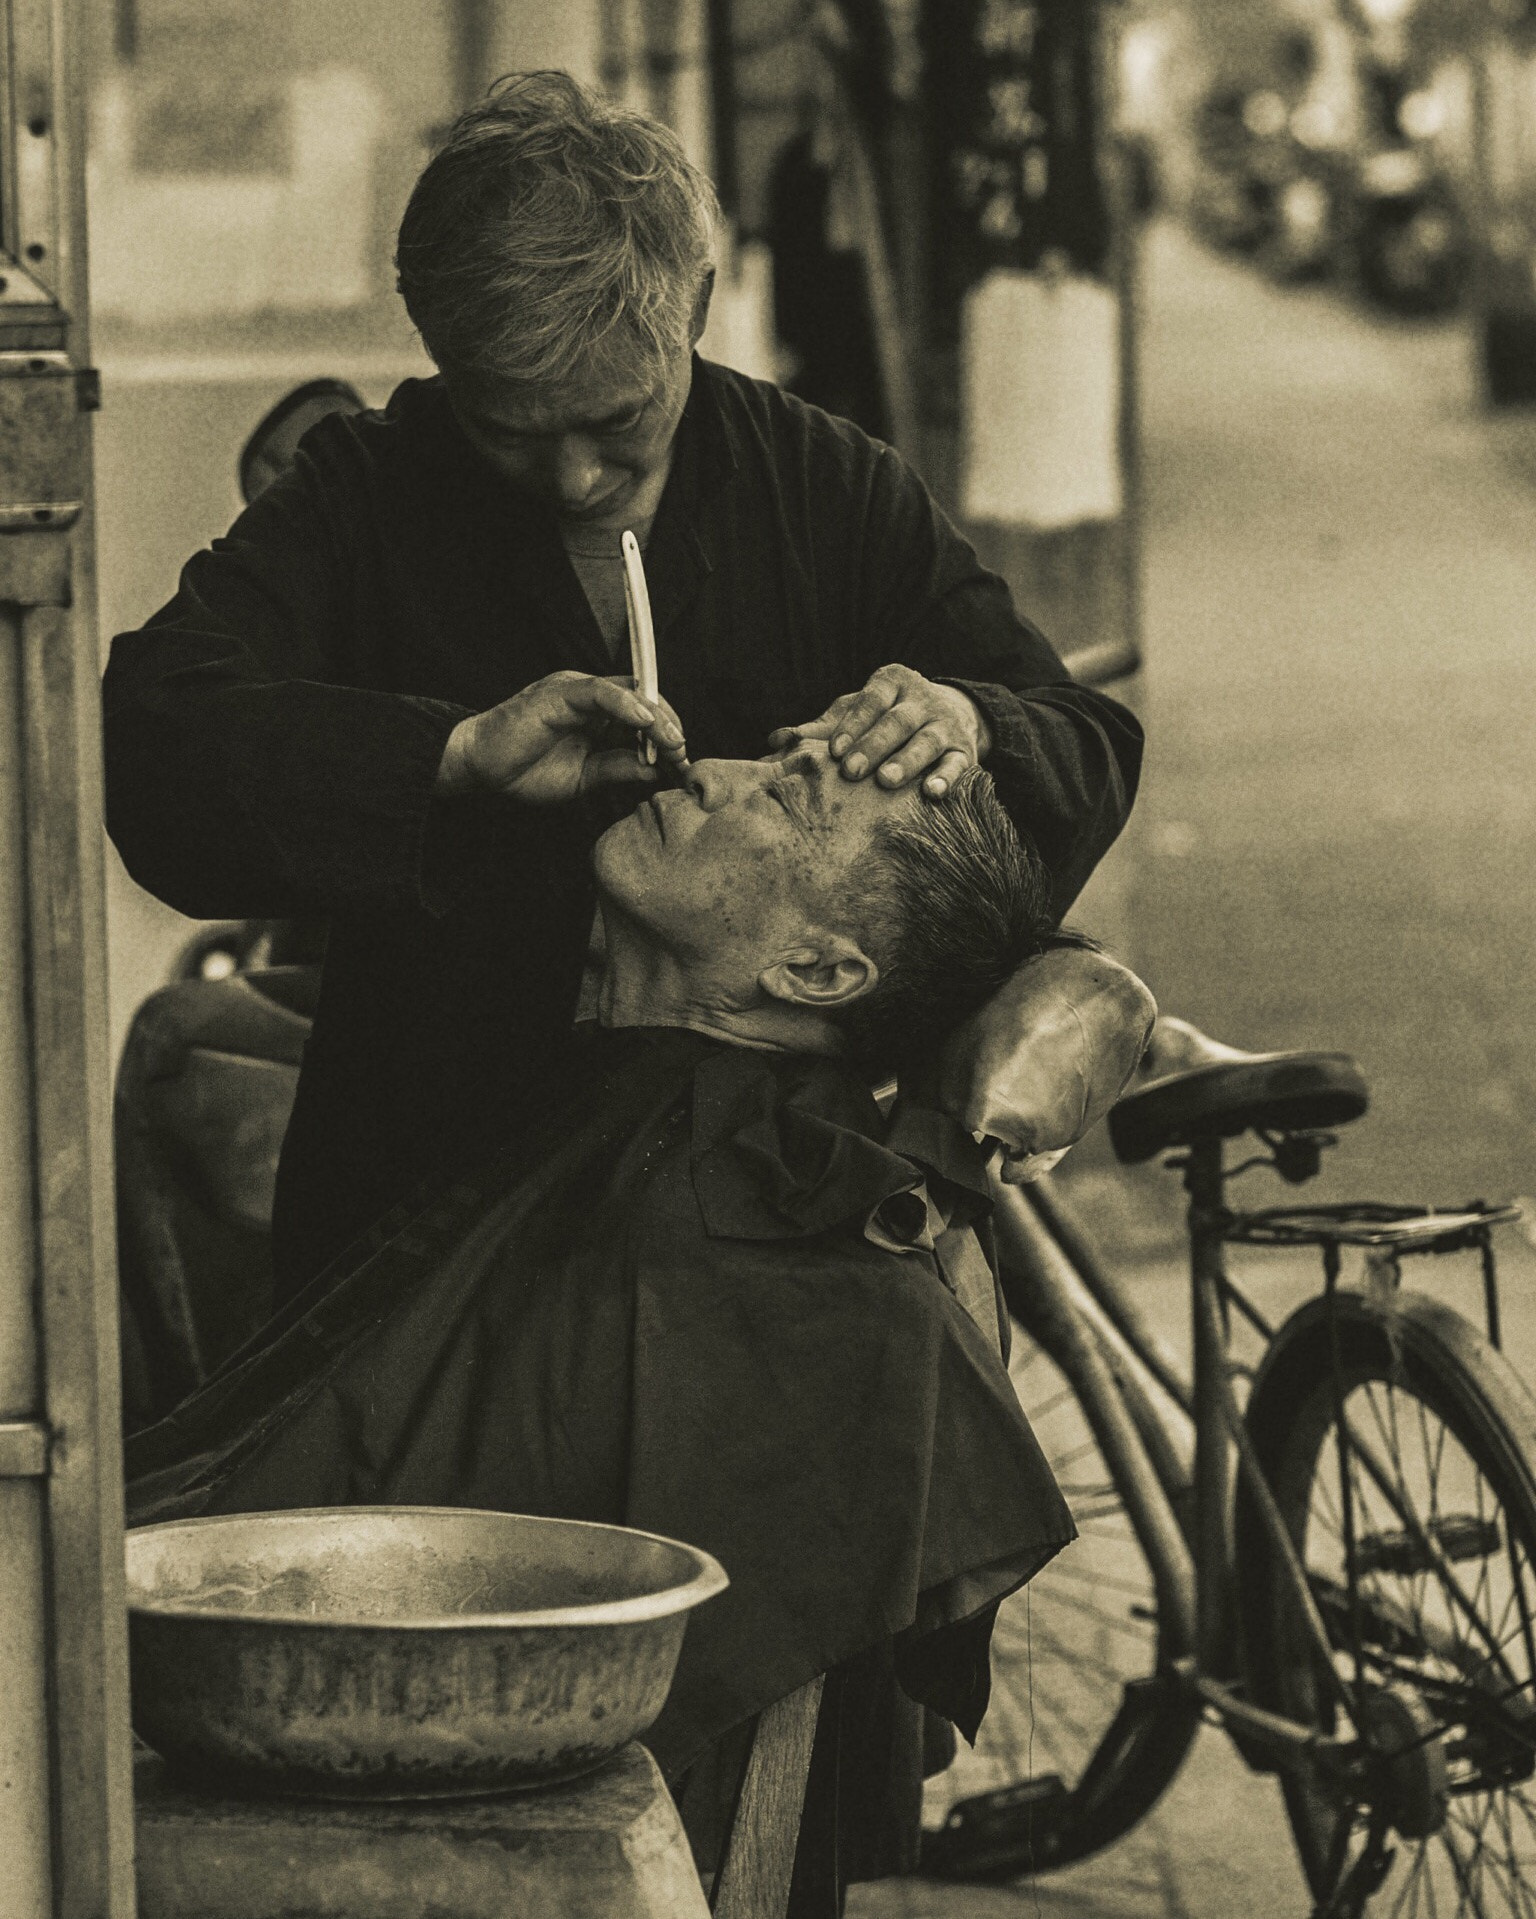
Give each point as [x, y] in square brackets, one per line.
[767, 1057]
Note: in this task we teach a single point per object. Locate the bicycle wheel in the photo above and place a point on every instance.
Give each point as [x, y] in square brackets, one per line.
[1082, 1735]
[1432, 1615]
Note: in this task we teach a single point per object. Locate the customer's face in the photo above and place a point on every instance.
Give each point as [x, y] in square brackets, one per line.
[741, 864]
[584, 446]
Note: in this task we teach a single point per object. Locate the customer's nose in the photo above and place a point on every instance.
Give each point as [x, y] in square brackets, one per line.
[714, 782]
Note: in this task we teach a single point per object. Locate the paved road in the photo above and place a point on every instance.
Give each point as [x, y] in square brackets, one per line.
[1333, 846]
[1335, 841]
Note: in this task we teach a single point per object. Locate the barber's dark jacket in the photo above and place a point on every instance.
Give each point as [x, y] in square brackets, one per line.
[273, 735]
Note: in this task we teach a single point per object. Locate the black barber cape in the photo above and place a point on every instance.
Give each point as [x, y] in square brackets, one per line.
[700, 1299]
[273, 734]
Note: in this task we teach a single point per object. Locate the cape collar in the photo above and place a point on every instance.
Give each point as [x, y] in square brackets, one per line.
[786, 1145]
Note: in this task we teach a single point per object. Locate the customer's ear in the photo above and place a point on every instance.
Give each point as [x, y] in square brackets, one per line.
[832, 972]
[701, 308]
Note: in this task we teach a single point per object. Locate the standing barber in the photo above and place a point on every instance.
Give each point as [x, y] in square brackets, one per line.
[315, 724]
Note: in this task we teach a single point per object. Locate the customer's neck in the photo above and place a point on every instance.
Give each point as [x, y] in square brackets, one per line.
[644, 984]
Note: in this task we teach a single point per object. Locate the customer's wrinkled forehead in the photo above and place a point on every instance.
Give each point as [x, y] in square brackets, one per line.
[814, 787]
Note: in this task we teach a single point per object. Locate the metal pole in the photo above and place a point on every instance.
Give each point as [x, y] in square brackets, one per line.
[66, 1810]
[472, 25]
[1213, 1448]
[720, 39]
[26, 1886]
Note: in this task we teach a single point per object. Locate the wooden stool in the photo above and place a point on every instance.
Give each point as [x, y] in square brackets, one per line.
[608, 1846]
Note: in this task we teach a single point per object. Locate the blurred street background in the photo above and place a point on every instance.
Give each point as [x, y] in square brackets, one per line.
[1215, 323]
[1335, 830]
[1317, 533]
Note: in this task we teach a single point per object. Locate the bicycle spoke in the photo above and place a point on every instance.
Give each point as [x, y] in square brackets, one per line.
[1449, 1584]
[1089, 1499]
[1478, 1836]
[1495, 1656]
[1429, 1885]
[1525, 1807]
[1527, 1628]
[1061, 1461]
[1526, 1899]
[1421, 1580]
[1489, 1865]
[1480, 1590]
[1406, 1502]
[1458, 1866]
[1070, 1652]
[1052, 1709]
[1039, 1414]
[1515, 1595]
[1022, 1361]
[1104, 1582]
[1421, 1584]
[1068, 1646]
[1441, 1610]
[1112, 1622]
[1414, 1884]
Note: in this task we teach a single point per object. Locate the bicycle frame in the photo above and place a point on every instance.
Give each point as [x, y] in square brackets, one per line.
[1095, 1335]
[1050, 1298]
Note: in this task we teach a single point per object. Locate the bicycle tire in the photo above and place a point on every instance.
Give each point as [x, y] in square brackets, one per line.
[1081, 1668]
[1443, 1573]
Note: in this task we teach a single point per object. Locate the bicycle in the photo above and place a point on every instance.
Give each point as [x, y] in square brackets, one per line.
[1345, 1577]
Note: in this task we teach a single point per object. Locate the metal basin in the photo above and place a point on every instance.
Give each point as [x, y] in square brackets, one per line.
[402, 1652]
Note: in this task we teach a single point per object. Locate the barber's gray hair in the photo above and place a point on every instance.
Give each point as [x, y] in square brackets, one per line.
[551, 223]
[952, 901]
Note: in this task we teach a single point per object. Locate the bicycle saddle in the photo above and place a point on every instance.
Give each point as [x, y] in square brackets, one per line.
[1191, 1087]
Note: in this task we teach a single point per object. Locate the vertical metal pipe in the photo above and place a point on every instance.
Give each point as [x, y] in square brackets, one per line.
[26, 1878]
[1213, 1451]
[472, 30]
[722, 104]
[19, 1370]
[613, 47]
[661, 29]
[77, 1268]
[64, 1734]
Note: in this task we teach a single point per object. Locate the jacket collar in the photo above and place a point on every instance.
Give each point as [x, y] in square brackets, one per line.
[519, 539]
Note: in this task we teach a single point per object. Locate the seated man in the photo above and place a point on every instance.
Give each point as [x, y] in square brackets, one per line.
[716, 1295]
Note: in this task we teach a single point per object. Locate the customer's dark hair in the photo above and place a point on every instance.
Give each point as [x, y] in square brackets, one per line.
[551, 222]
[952, 900]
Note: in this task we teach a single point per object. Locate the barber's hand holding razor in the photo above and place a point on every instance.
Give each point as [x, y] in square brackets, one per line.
[563, 736]
[899, 727]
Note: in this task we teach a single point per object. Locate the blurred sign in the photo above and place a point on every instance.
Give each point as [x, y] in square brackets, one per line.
[1013, 88]
[199, 123]
[211, 81]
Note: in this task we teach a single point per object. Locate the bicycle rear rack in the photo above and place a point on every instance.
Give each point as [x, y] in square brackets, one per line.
[1387, 1235]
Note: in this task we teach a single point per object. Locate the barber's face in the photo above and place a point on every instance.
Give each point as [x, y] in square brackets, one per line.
[585, 446]
[749, 857]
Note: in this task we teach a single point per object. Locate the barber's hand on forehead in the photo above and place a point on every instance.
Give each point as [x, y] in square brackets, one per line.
[563, 736]
[899, 727]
